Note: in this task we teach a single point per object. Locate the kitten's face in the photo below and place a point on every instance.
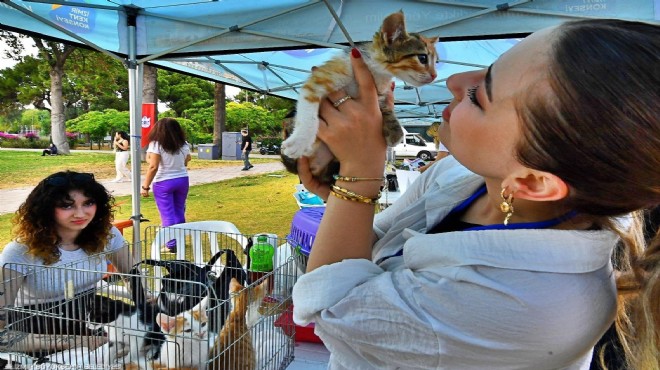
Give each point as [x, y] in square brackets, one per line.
[186, 324]
[410, 57]
[415, 62]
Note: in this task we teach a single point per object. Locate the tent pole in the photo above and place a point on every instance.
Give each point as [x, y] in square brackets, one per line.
[136, 133]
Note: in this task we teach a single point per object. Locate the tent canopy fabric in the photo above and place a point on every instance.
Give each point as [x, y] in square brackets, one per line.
[271, 45]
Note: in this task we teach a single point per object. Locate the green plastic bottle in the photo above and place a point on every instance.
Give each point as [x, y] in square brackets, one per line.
[261, 255]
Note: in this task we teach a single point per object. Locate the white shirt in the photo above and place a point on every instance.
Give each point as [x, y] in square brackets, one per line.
[45, 284]
[172, 166]
[490, 299]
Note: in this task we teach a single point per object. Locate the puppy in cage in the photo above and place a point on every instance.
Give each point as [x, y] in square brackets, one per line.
[63, 229]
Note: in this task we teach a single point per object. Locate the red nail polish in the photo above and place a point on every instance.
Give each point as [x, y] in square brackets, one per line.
[356, 53]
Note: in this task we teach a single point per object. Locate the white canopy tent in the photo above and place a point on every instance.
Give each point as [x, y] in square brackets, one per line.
[270, 45]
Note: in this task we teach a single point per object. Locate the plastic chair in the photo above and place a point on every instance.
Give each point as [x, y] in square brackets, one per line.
[197, 232]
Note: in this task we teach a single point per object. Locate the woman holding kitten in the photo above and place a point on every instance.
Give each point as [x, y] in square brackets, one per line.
[499, 256]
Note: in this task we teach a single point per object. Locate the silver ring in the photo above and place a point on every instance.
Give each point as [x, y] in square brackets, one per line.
[341, 101]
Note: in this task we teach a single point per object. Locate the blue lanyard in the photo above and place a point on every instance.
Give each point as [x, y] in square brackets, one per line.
[524, 225]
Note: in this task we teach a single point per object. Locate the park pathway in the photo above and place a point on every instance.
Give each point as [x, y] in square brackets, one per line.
[11, 199]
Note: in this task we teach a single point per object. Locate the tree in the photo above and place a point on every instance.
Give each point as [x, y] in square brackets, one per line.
[56, 54]
[36, 118]
[257, 119]
[97, 125]
[182, 92]
[269, 102]
[22, 85]
[95, 80]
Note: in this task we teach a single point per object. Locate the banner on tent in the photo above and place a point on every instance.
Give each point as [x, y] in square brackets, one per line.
[148, 120]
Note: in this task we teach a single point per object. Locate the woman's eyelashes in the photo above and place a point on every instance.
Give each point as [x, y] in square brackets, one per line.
[472, 95]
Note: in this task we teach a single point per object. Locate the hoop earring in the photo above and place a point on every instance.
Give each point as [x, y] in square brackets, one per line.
[506, 206]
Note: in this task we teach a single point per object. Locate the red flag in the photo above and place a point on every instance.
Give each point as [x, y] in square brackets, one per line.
[148, 121]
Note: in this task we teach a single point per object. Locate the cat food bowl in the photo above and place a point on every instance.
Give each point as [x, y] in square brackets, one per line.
[304, 226]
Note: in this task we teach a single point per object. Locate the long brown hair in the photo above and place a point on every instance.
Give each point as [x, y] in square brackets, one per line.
[34, 223]
[169, 134]
[595, 124]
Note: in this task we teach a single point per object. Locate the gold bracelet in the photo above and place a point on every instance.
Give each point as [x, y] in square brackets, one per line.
[354, 179]
[353, 195]
[365, 201]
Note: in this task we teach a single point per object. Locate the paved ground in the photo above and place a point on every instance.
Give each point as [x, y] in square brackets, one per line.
[11, 199]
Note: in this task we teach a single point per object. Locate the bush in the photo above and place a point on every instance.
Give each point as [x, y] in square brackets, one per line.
[24, 143]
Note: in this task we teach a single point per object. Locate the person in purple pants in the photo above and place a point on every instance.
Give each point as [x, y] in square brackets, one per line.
[168, 155]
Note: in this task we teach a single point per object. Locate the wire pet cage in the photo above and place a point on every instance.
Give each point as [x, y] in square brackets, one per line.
[102, 327]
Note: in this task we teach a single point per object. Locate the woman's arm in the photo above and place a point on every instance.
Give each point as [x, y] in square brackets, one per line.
[353, 132]
[188, 158]
[11, 282]
[122, 260]
[154, 161]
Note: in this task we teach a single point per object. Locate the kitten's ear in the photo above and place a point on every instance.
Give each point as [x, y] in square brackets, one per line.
[393, 28]
[262, 289]
[165, 322]
[431, 40]
[234, 285]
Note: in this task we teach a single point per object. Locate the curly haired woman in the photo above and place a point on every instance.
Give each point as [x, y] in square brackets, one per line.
[64, 225]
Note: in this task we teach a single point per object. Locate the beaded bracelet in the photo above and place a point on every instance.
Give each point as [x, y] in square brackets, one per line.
[354, 179]
[344, 197]
[350, 195]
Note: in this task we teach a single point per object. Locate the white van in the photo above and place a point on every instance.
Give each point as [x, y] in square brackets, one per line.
[414, 145]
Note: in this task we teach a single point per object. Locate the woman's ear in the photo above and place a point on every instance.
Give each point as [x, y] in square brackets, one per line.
[537, 186]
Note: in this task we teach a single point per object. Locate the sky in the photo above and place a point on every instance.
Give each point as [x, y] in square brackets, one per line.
[6, 62]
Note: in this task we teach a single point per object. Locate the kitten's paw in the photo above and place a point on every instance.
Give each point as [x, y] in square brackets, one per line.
[392, 130]
[295, 147]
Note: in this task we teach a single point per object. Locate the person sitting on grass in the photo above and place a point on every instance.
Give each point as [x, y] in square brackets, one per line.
[51, 150]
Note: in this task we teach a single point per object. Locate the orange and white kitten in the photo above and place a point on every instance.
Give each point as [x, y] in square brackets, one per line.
[233, 348]
[187, 344]
[393, 52]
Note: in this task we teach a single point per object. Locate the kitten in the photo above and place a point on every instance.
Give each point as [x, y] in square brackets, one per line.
[233, 348]
[132, 331]
[187, 344]
[218, 301]
[393, 52]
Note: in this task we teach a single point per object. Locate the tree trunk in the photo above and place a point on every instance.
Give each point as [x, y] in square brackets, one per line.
[56, 54]
[150, 85]
[149, 94]
[57, 123]
[220, 114]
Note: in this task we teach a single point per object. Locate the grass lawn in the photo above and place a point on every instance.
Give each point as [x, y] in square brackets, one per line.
[20, 168]
[255, 204]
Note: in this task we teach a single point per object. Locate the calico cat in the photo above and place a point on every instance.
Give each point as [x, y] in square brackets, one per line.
[393, 52]
[187, 344]
[233, 348]
[186, 347]
[132, 331]
[218, 301]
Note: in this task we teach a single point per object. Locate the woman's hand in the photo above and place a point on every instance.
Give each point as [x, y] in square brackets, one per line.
[353, 129]
[144, 192]
[311, 183]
